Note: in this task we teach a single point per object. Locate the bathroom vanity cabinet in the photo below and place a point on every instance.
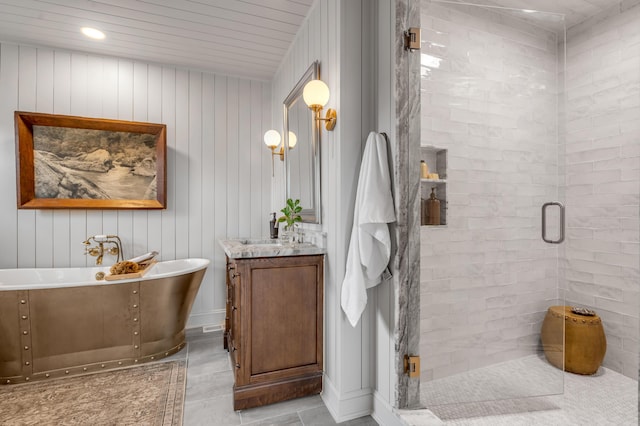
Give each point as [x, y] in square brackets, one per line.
[273, 328]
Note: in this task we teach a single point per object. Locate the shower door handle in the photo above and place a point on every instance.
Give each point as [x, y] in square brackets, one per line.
[544, 222]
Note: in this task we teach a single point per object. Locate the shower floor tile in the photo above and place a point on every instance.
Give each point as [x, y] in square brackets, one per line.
[606, 398]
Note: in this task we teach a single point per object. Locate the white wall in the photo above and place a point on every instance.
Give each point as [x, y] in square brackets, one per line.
[218, 174]
[490, 99]
[385, 299]
[332, 34]
[603, 177]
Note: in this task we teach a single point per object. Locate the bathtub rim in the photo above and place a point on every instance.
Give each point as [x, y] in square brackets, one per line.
[192, 264]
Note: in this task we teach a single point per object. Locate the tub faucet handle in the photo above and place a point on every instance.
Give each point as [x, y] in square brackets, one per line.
[93, 251]
[99, 250]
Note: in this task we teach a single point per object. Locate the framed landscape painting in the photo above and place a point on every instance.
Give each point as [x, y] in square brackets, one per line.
[66, 162]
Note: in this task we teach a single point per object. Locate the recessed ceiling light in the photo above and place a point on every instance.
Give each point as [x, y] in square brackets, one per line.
[528, 11]
[92, 33]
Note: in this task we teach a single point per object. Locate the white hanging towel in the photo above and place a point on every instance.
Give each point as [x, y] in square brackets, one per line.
[370, 245]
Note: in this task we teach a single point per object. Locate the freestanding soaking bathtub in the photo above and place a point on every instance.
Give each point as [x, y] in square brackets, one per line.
[59, 322]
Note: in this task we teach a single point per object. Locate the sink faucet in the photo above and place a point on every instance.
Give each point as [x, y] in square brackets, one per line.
[99, 250]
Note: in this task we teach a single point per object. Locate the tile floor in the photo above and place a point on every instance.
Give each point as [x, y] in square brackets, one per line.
[208, 398]
[605, 398]
[524, 377]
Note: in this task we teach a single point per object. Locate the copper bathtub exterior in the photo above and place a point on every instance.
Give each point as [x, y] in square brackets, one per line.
[64, 331]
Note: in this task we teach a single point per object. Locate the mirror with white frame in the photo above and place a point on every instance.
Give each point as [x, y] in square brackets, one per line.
[302, 149]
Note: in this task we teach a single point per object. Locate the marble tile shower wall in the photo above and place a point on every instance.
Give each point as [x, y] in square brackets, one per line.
[489, 96]
[603, 176]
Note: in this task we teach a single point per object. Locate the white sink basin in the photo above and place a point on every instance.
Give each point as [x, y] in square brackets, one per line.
[261, 242]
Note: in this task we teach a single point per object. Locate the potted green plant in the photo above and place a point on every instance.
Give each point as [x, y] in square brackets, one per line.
[291, 215]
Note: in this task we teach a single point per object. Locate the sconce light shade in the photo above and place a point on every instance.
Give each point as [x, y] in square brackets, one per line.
[272, 138]
[293, 140]
[316, 92]
[316, 96]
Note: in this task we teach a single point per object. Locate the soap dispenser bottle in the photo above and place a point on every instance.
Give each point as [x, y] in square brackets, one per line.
[273, 227]
[433, 208]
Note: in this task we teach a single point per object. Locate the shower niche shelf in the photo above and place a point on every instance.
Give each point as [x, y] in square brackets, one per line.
[436, 159]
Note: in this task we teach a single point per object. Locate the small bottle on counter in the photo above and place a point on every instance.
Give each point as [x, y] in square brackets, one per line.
[424, 170]
[433, 208]
[273, 227]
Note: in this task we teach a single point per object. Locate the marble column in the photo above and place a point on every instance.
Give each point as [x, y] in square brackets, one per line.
[407, 190]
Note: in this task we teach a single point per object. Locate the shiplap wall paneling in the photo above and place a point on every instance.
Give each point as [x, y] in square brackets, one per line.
[195, 165]
[218, 172]
[27, 70]
[139, 112]
[262, 168]
[94, 108]
[297, 60]
[330, 180]
[109, 86]
[9, 71]
[154, 115]
[220, 168]
[208, 289]
[332, 34]
[232, 117]
[351, 338]
[245, 146]
[44, 101]
[125, 104]
[194, 175]
[169, 89]
[60, 92]
[78, 98]
[385, 103]
[254, 123]
[182, 165]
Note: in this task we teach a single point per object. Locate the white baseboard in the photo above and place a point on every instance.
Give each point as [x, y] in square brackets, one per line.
[346, 407]
[384, 413]
[211, 318]
[419, 417]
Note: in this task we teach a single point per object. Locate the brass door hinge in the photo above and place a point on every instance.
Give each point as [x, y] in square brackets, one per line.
[412, 39]
[412, 365]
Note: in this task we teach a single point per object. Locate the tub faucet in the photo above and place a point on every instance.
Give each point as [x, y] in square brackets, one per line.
[99, 250]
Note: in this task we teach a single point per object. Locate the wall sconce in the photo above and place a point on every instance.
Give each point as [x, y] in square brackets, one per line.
[272, 140]
[316, 96]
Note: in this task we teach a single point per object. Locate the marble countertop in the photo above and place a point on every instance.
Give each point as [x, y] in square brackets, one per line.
[240, 248]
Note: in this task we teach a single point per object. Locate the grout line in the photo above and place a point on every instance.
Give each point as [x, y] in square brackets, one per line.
[300, 417]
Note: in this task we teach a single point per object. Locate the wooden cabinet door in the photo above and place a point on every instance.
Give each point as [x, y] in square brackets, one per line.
[276, 329]
[283, 318]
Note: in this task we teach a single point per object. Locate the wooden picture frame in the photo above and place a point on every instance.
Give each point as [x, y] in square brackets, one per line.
[66, 162]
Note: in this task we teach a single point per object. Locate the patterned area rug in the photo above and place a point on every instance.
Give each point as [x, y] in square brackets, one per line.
[150, 394]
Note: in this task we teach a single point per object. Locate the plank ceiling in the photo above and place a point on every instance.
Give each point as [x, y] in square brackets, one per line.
[246, 38]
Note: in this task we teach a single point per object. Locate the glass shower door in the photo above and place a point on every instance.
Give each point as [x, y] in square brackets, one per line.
[491, 84]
